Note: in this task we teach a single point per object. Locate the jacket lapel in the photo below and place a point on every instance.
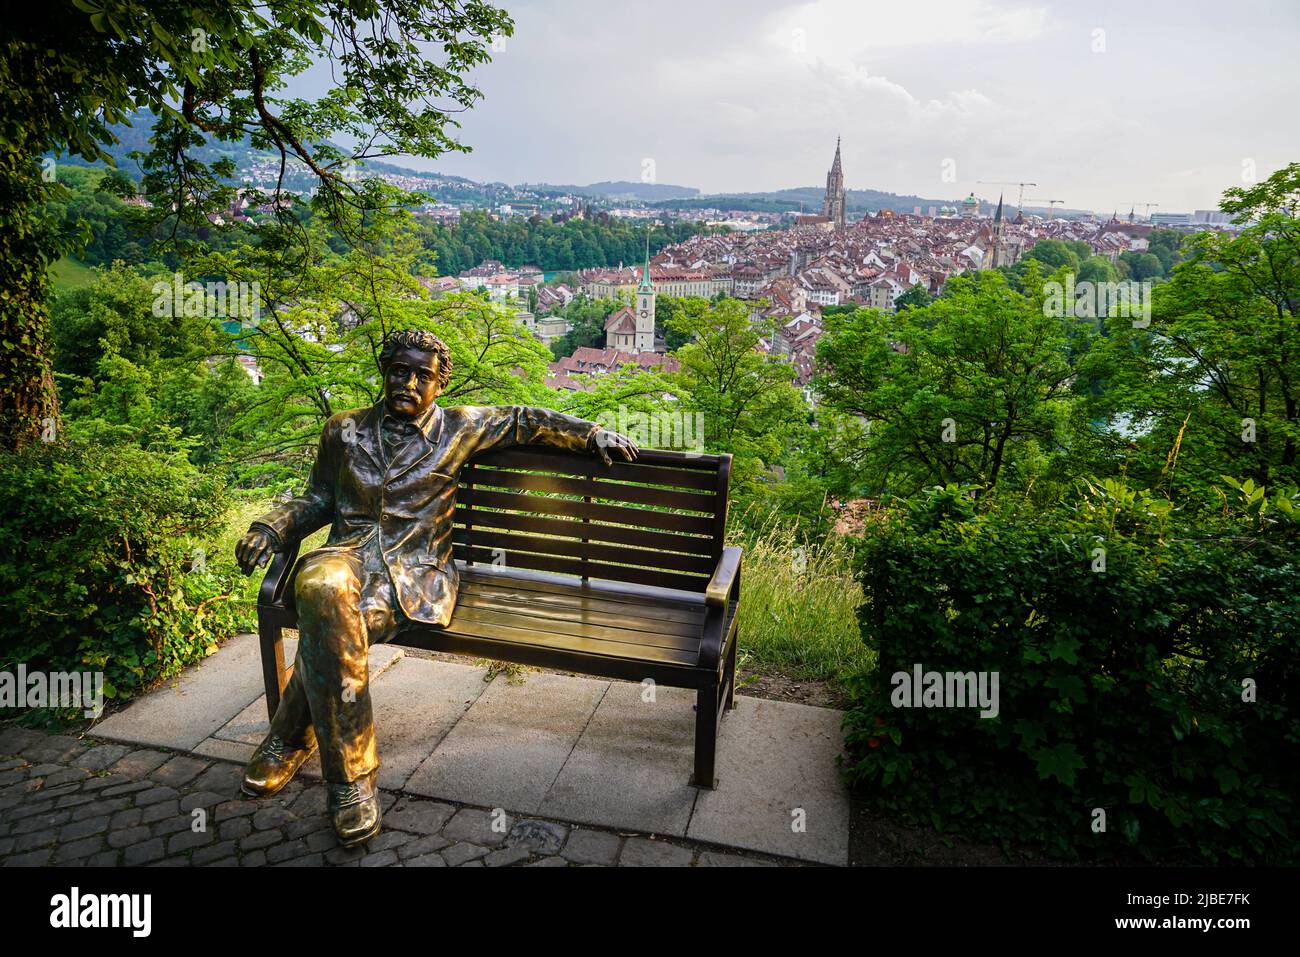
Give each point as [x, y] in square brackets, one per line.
[367, 437]
[419, 447]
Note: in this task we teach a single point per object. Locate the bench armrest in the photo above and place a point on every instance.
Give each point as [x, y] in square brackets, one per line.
[724, 578]
[278, 572]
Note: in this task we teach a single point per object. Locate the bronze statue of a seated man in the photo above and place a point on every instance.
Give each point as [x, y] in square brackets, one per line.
[385, 482]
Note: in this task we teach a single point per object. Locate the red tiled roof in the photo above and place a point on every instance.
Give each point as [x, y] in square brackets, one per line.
[622, 321]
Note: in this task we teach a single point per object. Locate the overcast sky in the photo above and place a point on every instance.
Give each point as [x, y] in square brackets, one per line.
[1102, 104]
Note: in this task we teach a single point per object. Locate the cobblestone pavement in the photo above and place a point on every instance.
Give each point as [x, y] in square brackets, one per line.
[69, 801]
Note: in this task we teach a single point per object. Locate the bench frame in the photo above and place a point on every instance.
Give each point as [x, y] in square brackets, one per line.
[713, 676]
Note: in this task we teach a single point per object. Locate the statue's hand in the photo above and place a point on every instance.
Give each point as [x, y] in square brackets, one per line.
[254, 549]
[602, 440]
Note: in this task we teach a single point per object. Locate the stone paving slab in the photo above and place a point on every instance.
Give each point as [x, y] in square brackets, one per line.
[250, 725]
[776, 758]
[240, 736]
[235, 751]
[417, 702]
[632, 766]
[510, 745]
[186, 711]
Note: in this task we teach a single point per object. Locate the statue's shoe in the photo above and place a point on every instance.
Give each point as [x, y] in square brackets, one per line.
[354, 809]
[273, 765]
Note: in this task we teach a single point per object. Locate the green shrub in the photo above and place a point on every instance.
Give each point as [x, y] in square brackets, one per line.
[105, 565]
[1120, 689]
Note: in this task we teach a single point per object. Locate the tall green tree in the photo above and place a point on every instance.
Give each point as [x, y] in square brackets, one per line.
[918, 295]
[962, 390]
[747, 396]
[320, 331]
[1213, 383]
[69, 70]
[586, 318]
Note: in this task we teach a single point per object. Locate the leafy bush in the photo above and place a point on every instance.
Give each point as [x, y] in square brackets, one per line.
[1122, 632]
[105, 565]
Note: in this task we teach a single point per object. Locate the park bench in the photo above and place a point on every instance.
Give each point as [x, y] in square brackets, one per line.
[617, 571]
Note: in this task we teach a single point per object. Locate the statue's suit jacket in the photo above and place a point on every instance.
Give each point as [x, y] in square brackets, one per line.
[408, 503]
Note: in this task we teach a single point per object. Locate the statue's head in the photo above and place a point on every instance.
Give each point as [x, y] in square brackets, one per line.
[416, 366]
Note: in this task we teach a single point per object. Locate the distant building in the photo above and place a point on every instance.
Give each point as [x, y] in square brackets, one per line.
[632, 328]
[810, 219]
[574, 372]
[550, 328]
[833, 202]
[1000, 252]
[440, 285]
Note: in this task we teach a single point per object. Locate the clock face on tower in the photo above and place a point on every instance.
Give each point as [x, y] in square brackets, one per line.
[644, 313]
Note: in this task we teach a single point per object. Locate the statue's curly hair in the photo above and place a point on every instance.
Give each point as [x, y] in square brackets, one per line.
[424, 341]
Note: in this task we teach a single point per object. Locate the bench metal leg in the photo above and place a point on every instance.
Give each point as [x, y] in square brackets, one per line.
[729, 676]
[272, 664]
[706, 737]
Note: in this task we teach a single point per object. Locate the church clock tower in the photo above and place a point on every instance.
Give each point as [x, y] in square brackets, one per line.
[645, 306]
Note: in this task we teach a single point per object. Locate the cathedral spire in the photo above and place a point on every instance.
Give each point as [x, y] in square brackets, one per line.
[646, 285]
[833, 203]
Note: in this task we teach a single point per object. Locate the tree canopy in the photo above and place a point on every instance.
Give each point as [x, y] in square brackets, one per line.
[71, 70]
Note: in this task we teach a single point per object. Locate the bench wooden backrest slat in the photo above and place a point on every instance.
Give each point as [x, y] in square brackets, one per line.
[562, 508]
[596, 489]
[592, 531]
[650, 558]
[657, 521]
[684, 474]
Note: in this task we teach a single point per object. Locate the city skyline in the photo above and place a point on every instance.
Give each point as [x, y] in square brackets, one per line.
[1103, 109]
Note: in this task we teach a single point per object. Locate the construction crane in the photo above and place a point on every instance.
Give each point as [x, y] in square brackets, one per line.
[1051, 204]
[1021, 201]
[1147, 206]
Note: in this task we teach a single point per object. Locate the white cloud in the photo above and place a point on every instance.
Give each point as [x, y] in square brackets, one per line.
[722, 96]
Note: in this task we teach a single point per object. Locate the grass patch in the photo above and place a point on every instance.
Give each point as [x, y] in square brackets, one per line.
[68, 273]
[798, 607]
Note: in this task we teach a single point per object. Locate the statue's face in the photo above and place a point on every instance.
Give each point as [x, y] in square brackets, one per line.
[411, 382]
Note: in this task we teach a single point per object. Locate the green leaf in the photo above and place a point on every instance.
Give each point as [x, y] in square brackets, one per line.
[1061, 762]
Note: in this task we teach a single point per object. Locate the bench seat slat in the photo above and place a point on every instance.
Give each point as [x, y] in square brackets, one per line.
[530, 635]
[667, 673]
[648, 616]
[470, 616]
[568, 612]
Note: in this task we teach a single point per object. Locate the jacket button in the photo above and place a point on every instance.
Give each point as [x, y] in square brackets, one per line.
[385, 517]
